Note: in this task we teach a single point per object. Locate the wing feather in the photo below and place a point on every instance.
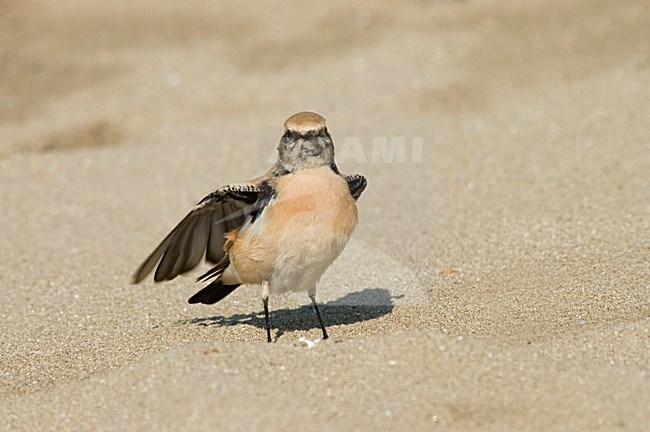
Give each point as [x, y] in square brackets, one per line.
[357, 184]
[182, 251]
[202, 231]
[172, 254]
[216, 238]
[197, 244]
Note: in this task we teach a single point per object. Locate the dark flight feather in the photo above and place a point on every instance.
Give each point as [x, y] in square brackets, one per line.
[202, 231]
[357, 184]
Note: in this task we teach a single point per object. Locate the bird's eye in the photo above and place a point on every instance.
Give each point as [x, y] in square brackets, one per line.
[288, 136]
[323, 133]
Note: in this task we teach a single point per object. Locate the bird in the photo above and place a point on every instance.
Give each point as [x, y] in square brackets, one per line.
[279, 231]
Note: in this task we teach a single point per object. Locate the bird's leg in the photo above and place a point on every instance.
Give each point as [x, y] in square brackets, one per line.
[312, 296]
[266, 317]
[265, 300]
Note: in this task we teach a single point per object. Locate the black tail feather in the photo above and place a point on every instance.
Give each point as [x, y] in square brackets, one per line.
[215, 271]
[212, 293]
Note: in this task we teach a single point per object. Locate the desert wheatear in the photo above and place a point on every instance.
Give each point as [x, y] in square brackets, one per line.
[281, 230]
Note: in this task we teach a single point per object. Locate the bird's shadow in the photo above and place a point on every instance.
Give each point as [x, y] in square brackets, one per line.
[352, 308]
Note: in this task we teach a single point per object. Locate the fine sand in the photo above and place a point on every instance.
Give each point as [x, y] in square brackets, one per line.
[499, 278]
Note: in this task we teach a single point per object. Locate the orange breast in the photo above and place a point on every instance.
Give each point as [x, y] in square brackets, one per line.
[312, 215]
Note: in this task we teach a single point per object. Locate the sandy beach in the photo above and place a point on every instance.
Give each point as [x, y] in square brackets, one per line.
[499, 278]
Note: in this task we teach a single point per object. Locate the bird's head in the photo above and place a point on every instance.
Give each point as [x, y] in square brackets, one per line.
[305, 143]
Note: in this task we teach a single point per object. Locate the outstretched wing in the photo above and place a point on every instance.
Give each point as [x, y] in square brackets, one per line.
[357, 184]
[202, 231]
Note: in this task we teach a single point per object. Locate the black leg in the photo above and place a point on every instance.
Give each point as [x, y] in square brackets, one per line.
[320, 320]
[266, 317]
